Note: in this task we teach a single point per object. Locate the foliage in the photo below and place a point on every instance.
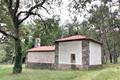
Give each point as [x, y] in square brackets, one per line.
[17, 17]
[15, 12]
[14, 9]
[103, 23]
[2, 53]
[48, 32]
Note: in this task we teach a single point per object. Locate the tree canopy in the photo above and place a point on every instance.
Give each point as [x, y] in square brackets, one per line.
[102, 24]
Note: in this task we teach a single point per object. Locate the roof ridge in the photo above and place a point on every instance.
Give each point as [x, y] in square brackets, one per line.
[76, 37]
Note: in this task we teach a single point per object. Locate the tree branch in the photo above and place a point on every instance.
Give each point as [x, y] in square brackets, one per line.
[16, 6]
[28, 13]
[38, 5]
[10, 2]
[21, 13]
[45, 9]
[8, 35]
[9, 6]
[3, 39]
[40, 18]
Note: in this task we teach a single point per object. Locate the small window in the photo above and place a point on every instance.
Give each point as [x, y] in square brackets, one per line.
[72, 58]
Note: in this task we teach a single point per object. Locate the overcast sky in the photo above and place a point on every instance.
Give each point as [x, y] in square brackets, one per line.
[64, 13]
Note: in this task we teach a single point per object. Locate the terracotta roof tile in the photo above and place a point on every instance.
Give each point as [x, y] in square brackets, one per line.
[42, 49]
[52, 48]
[75, 38]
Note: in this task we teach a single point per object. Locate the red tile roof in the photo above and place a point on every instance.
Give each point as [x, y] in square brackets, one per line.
[75, 38]
[42, 49]
[52, 48]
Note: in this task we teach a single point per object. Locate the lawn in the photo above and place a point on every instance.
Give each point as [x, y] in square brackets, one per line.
[108, 72]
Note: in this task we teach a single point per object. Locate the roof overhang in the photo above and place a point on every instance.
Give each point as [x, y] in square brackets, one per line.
[79, 40]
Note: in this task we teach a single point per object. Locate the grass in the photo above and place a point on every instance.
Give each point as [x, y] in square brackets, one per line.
[108, 72]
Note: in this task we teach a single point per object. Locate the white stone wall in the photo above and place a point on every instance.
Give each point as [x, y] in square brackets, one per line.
[95, 53]
[68, 48]
[41, 57]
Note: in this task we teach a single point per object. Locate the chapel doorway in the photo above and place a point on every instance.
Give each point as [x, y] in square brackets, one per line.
[73, 59]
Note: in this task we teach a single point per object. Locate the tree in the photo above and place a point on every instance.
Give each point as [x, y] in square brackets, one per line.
[102, 24]
[17, 15]
[12, 7]
[49, 33]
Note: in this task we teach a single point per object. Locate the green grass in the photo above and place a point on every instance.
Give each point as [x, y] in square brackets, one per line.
[108, 72]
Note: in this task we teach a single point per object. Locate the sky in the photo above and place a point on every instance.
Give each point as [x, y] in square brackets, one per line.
[64, 13]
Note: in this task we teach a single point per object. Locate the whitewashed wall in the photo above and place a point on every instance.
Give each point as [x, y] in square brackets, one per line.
[95, 53]
[68, 48]
[41, 57]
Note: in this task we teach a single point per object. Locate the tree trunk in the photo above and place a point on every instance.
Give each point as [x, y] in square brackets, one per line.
[110, 56]
[115, 58]
[18, 54]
